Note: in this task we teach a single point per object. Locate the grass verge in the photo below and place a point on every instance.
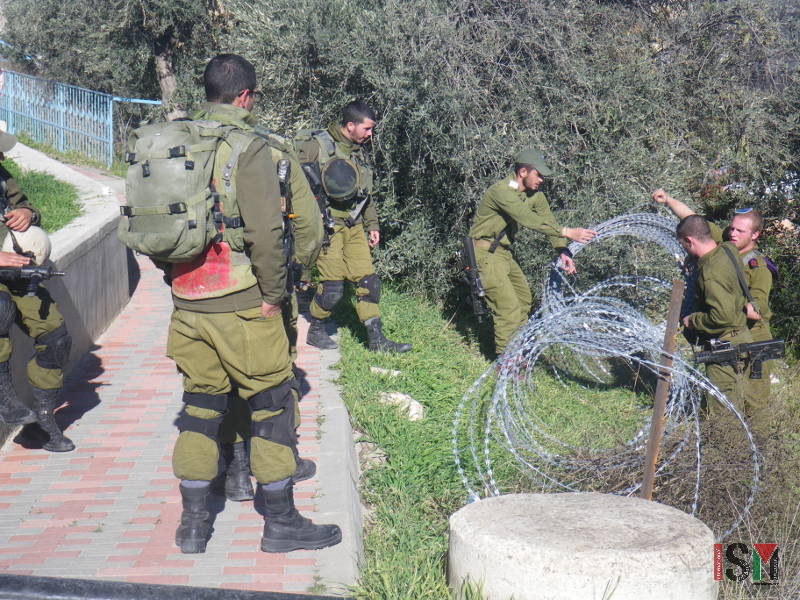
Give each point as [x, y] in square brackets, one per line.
[413, 491]
[56, 201]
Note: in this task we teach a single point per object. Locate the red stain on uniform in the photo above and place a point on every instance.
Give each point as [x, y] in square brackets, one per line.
[209, 272]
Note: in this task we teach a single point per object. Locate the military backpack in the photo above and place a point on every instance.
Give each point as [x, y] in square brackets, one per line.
[180, 189]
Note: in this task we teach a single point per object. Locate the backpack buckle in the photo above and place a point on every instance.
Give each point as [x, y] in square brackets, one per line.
[177, 151]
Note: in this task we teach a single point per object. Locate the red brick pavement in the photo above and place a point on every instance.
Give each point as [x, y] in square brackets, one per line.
[109, 509]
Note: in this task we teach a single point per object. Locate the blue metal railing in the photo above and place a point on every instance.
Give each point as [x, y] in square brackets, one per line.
[66, 117]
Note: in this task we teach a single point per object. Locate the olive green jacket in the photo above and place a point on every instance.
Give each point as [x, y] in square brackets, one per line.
[719, 296]
[758, 278]
[15, 198]
[259, 200]
[505, 207]
[309, 151]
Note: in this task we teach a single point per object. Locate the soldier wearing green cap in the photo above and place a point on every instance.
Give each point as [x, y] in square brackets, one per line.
[336, 158]
[508, 204]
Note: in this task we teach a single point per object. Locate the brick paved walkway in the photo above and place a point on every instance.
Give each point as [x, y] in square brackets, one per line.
[109, 509]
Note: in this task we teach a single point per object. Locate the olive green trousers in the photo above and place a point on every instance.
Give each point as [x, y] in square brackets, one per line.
[215, 352]
[347, 258]
[36, 316]
[507, 292]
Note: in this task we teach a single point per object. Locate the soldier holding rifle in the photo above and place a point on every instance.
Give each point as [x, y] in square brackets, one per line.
[508, 204]
[23, 301]
[743, 232]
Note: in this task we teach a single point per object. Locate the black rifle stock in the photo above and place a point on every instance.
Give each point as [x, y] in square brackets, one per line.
[33, 274]
[754, 353]
[469, 266]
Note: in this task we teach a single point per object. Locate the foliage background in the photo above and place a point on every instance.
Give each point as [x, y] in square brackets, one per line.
[701, 98]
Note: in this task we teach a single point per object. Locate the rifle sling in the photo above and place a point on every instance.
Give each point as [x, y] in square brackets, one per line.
[737, 264]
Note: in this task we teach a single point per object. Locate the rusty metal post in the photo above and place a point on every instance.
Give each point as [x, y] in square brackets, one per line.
[662, 390]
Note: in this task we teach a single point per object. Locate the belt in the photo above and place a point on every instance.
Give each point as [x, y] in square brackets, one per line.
[486, 244]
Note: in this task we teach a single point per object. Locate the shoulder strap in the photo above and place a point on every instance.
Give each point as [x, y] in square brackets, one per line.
[737, 264]
[326, 141]
[496, 240]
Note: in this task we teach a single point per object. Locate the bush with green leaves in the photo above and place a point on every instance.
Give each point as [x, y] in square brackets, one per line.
[622, 96]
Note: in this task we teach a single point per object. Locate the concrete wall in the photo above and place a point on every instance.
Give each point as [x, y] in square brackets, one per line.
[101, 273]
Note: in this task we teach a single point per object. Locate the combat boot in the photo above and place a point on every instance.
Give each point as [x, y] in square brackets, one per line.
[285, 529]
[12, 411]
[238, 486]
[192, 534]
[318, 337]
[46, 402]
[378, 343]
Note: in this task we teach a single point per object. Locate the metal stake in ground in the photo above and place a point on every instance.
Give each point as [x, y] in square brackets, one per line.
[662, 390]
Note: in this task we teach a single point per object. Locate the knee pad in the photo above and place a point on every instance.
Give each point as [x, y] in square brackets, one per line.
[207, 427]
[332, 292]
[57, 345]
[372, 283]
[280, 428]
[7, 313]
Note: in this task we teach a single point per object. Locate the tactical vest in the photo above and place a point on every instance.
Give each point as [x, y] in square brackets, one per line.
[328, 150]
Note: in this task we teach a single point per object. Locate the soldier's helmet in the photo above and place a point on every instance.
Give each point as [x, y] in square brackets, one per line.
[340, 179]
[33, 242]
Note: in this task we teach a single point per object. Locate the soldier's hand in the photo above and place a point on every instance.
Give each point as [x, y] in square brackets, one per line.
[751, 312]
[11, 259]
[579, 234]
[660, 196]
[569, 264]
[269, 310]
[374, 238]
[18, 219]
[686, 321]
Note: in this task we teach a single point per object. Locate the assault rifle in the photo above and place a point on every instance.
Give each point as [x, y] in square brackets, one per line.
[314, 177]
[754, 352]
[469, 267]
[33, 274]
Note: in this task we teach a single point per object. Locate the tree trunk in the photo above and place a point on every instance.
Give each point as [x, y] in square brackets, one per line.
[167, 82]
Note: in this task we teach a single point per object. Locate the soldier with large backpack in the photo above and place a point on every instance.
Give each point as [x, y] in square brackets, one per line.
[214, 180]
[347, 252]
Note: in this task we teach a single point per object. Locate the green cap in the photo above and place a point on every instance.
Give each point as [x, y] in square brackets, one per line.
[340, 179]
[535, 158]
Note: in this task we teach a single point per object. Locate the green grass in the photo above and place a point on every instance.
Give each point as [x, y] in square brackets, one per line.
[56, 201]
[118, 167]
[413, 493]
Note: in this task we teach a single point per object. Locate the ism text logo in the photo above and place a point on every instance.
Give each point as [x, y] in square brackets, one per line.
[739, 562]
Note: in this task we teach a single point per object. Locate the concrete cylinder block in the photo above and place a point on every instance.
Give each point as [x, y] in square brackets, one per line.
[580, 546]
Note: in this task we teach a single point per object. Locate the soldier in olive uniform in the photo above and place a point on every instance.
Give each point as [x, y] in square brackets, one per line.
[301, 214]
[347, 256]
[743, 231]
[508, 204]
[227, 330]
[721, 309]
[38, 316]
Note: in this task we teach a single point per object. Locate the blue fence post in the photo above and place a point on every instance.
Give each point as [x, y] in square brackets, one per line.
[61, 108]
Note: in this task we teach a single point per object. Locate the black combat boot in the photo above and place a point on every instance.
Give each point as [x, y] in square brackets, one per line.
[192, 534]
[285, 529]
[318, 337]
[379, 343]
[238, 486]
[12, 411]
[46, 402]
